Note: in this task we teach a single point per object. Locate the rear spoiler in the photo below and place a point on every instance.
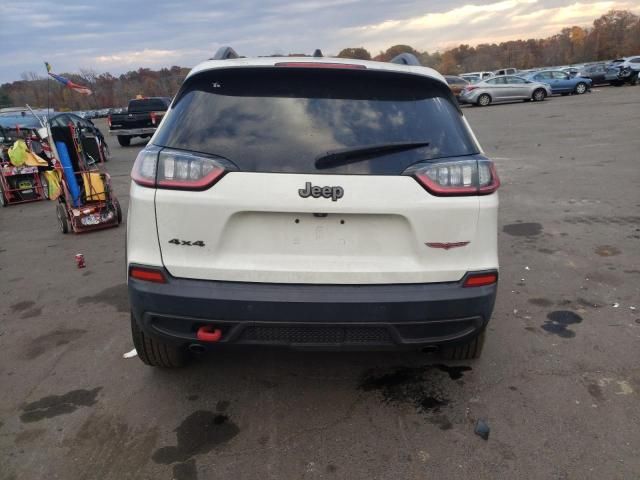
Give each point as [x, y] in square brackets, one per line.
[227, 53]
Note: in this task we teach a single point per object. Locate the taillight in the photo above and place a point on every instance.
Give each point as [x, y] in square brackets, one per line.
[481, 279]
[109, 120]
[153, 118]
[147, 274]
[173, 169]
[145, 166]
[457, 177]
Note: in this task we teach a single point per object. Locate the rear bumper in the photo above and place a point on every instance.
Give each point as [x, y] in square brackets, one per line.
[313, 316]
[133, 132]
[467, 99]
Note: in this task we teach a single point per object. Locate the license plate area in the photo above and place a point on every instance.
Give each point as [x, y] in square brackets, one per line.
[316, 234]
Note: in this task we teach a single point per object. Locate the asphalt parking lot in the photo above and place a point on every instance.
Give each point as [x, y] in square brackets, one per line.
[558, 384]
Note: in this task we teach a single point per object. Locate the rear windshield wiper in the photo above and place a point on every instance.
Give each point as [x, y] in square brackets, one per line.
[344, 156]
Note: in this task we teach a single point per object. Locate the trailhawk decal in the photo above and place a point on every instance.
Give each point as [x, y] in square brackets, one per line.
[446, 246]
[334, 193]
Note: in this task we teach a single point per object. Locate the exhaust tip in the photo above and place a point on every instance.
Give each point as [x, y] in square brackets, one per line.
[196, 348]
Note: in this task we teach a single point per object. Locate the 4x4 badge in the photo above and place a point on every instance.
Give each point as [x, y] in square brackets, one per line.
[334, 193]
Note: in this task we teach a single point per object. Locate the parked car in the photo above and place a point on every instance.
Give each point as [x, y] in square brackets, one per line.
[596, 73]
[572, 71]
[476, 76]
[315, 218]
[631, 62]
[470, 78]
[623, 70]
[456, 84]
[561, 82]
[506, 88]
[506, 71]
[140, 120]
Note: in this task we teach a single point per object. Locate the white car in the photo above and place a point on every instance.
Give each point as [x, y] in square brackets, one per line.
[506, 71]
[476, 76]
[312, 203]
[631, 62]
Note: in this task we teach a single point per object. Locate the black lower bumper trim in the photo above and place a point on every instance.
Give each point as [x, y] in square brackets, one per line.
[304, 315]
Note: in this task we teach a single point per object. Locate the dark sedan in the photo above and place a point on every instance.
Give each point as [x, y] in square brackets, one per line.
[596, 73]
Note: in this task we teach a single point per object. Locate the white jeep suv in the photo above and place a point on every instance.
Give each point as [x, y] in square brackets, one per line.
[312, 203]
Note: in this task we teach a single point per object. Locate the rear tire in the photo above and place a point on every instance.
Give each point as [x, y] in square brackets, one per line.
[465, 351]
[118, 208]
[580, 88]
[484, 100]
[157, 353]
[106, 153]
[63, 221]
[124, 141]
[539, 95]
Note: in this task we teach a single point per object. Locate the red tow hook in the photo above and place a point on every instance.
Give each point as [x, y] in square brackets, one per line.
[209, 333]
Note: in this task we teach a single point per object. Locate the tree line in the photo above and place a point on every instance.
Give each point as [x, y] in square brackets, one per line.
[108, 90]
[615, 34]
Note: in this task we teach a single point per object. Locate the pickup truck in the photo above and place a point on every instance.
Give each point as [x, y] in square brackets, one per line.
[141, 119]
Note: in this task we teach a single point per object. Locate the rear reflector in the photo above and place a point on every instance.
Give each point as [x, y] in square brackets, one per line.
[480, 279]
[349, 66]
[147, 275]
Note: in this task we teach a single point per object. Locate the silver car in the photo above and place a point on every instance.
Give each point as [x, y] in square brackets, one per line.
[504, 88]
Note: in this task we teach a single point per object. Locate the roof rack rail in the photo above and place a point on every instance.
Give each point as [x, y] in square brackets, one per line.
[317, 53]
[406, 59]
[225, 53]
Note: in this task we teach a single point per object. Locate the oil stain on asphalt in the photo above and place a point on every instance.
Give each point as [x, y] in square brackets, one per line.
[523, 229]
[200, 432]
[558, 321]
[414, 385]
[116, 296]
[53, 339]
[541, 302]
[455, 373]
[54, 405]
[20, 306]
[34, 312]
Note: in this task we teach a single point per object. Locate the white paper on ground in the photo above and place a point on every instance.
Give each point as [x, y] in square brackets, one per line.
[130, 354]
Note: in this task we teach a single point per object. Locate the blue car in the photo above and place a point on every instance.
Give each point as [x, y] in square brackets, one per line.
[562, 82]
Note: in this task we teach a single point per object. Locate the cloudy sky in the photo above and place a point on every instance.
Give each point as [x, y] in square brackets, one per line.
[121, 35]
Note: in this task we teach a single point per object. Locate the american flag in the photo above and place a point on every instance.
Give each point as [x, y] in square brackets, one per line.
[67, 83]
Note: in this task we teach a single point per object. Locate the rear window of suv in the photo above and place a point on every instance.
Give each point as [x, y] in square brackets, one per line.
[281, 119]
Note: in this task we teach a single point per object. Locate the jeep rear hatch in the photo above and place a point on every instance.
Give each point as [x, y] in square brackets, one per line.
[376, 212]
